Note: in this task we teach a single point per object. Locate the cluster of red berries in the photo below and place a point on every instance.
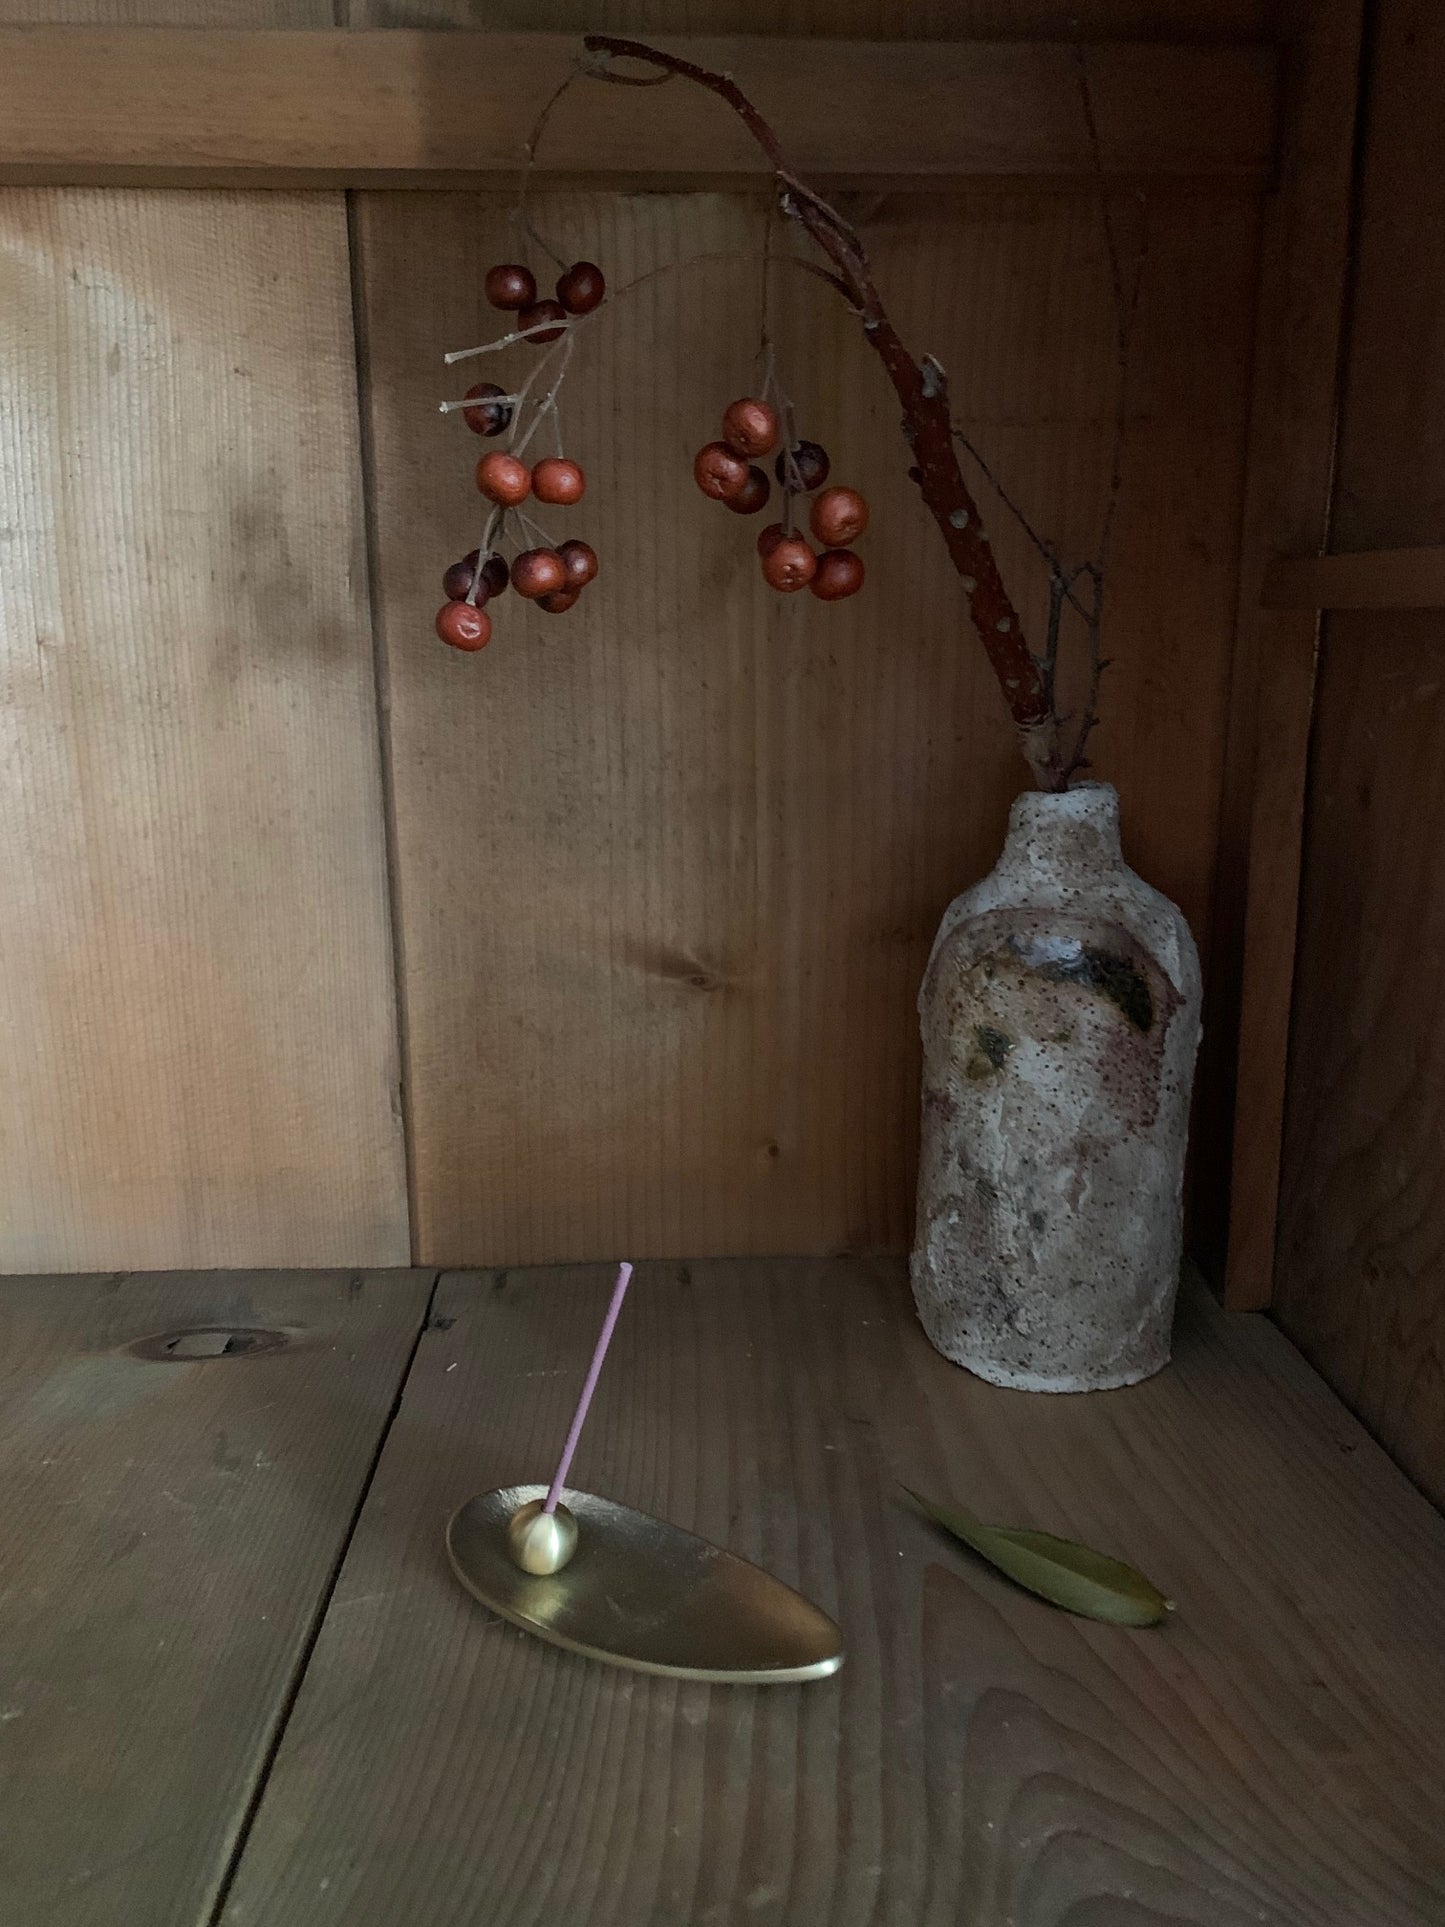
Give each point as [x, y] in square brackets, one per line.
[727, 472]
[513, 289]
[553, 578]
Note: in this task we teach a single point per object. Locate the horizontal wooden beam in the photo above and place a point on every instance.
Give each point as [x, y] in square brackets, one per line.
[203, 106]
[1372, 579]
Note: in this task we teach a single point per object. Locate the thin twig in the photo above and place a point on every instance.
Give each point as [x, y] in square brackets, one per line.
[715, 254]
[1046, 549]
[1096, 152]
[548, 401]
[1122, 391]
[575, 322]
[536, 528]
[765, 341]
[1126, 308]
[533, 142]
[491, 534]
[1057, 592]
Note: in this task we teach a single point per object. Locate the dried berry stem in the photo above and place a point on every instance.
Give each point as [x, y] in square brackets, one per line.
[472, 401]
[491, 535]
[535, 529]
[506, 341]
[548, 403]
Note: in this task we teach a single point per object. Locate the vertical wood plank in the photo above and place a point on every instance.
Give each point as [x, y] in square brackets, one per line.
[196, 1014]
[1251, 959]
[1360, 1255]
[669, 866]
[1361, 1287]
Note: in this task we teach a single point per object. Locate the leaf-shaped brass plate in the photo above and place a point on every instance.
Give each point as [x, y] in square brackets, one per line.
[641, 1593]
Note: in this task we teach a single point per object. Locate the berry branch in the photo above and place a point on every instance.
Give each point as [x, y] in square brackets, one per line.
[1053, 742]
[922, 390]
[551, 576]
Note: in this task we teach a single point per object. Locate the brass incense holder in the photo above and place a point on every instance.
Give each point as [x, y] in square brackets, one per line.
[641, 1593]
[598, 1578]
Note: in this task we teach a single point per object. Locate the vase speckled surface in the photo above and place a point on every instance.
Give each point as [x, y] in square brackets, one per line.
[1060, 1013]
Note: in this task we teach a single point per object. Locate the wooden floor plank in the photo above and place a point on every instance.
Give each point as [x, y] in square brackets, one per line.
[170, 1526]
[1273, 1756]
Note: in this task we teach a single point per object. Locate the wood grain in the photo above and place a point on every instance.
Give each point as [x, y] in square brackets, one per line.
[95, 105]
[1360, 1282]
[171, 1530]
[669, 868]
[197, 1030]
[1272, 1757]
[1360, 1229]
[1369, 579]
[1391, 486]
[1250, 962]
[167, 13]
[895, 19]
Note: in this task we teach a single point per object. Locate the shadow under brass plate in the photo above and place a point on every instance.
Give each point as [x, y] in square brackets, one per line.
[641, 1593]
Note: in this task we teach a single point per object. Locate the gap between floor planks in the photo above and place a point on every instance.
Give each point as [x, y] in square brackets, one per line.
[173, 1522]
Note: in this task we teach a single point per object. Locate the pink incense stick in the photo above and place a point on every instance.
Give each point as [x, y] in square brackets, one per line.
[594, 1370]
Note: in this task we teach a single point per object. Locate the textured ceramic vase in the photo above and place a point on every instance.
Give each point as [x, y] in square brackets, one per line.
[1060, 1015]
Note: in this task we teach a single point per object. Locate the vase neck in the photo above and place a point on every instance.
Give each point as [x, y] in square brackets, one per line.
[1072, 834]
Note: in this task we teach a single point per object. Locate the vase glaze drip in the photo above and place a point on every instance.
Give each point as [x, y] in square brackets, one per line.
[1060, 1016]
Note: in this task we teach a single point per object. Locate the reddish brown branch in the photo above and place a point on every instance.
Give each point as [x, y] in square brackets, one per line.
[922, 391]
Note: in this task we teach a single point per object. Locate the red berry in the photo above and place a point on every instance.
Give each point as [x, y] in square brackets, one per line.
[720, 471]
[751, 426]
[543, 311]
[789, 564]
[811, 462]
[559, 481]
[771, 536]
[581, 288]
[502, 478]
[839, 516]
[464, 627]
[490, 419]
[537, 572]
[495, 573]
[755, 492]
[558, 601]
[457, 582]
[839, 573]
[509, 285]
[579, 559]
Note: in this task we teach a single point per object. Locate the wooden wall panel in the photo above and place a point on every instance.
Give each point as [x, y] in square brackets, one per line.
[670, 866]
[897, 19]
[1361, 1284]
[170, 107]
[196, 1014]
[668, 880]
[1361, 1263]
[1304, 268]
[167, 13]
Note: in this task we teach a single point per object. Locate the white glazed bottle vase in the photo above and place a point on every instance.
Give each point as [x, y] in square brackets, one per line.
[1060, 1015]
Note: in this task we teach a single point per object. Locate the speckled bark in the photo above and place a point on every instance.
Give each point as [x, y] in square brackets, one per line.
[1060, 1017]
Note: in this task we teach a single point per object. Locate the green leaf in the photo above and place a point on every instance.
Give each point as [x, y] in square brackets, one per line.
[1059, 1570]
